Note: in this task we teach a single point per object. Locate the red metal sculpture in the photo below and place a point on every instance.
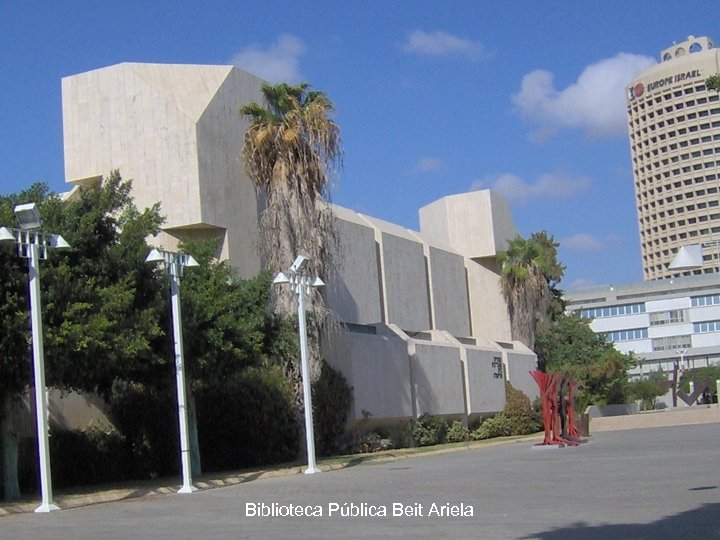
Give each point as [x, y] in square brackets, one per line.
[555, 405]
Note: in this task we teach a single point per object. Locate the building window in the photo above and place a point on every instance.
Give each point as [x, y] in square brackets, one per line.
[627, 335]
[706, 326]
[673, 316]
[671, 343]
[709, 300]
[612, 311]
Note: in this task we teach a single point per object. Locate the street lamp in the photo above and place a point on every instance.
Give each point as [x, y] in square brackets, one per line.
[301, 283]
[34, 246]
[174, 264]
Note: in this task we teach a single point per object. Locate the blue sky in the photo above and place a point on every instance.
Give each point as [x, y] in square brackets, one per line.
[433, 98]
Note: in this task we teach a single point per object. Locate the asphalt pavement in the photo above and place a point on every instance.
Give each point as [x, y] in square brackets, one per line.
[653, 483]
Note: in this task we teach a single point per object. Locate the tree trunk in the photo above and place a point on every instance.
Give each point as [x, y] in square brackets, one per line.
[9, 441]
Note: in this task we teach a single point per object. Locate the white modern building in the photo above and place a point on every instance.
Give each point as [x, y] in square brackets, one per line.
[668, 324]
[674, 128]
[428, 325]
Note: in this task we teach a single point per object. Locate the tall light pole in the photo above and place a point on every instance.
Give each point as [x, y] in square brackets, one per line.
[34, 246]
[301, 283]
[174, 264]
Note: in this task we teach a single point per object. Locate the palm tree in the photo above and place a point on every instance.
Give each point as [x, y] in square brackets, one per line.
[292, 154]
[530, 273]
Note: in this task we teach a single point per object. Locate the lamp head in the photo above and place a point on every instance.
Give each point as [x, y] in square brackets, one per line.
[28, 216]
[58, 242]
[300, 264]
[155, 256]
[189, 260]
[281, 279]
[6, 235]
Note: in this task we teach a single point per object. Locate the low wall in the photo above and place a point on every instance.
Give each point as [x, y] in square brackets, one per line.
[612, 410]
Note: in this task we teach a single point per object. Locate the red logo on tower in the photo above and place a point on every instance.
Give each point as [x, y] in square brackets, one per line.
[636, 91]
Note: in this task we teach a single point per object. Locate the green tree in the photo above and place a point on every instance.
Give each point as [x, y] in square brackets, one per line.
[231, 363]
[570, 346]
[292, 153]
[100, 301]
[648, 389]
[530, 275]
[713, 82]
[103, 307]
[224, 323]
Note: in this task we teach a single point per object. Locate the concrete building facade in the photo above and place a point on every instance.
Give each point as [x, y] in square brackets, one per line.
[674, 127]
[428, 329]
[668, 324]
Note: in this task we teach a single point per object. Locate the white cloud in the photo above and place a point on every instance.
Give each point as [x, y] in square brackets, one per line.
[429, 164]
[442, 44]
[582, 242]
[595, 102]
[515, 189]
[277, 63]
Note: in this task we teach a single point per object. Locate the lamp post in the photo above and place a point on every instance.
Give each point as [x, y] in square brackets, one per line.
[301, 283]
[34, 246]
[174, 264]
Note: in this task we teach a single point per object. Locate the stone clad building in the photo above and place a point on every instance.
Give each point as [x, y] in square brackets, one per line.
[428, 329]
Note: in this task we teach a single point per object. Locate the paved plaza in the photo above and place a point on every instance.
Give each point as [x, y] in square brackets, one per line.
[642, 484]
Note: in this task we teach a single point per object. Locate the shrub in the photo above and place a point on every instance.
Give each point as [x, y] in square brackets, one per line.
[247, 420]
[332, 397]
[91, 456]
[366, 442]
[516, 402]
[429, 430]
[523, 419]
[399, 435]
[496, 426]
[456, 433]
[146, 417]
[517, 418]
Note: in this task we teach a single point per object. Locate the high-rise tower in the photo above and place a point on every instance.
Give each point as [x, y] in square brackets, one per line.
[674, 124]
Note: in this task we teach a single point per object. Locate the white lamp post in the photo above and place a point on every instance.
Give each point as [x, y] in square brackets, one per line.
[33, 246]
[174, 264]
[301, 283]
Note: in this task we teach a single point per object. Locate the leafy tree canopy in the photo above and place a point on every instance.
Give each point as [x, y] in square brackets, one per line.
[713, 82]
[102, 303]
[571, 346]
[229, 319]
